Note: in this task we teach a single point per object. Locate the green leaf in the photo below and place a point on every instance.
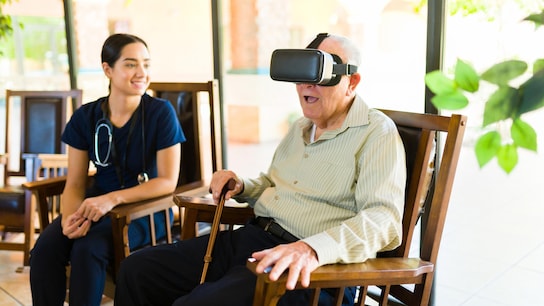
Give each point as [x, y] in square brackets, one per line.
[538, 65]
[538, 19]
[501, 105]
[450, 101]
[507, 157]
[487, 146]
[466, 77]
[503, 72]
[524, 135]
[438, 83]
[532, 93]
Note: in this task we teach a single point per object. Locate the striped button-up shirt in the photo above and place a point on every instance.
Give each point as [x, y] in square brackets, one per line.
[342, 194]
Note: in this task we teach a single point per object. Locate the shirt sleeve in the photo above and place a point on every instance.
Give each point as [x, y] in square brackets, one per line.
[77, 131]
[168, 130]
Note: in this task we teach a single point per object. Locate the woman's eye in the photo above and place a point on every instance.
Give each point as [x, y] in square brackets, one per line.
[131, 65]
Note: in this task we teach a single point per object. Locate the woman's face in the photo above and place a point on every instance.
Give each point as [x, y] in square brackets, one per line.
[130, 74]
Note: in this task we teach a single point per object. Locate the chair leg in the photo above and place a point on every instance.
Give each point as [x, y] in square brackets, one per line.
[28, 230]
[361, 296]
[274, 291]
[385, 295]
[339, 296]
[315, 297]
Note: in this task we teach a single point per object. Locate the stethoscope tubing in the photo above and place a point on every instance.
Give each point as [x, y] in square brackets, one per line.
[98, 161]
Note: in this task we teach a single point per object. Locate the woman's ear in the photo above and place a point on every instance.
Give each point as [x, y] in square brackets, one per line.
[107, 69]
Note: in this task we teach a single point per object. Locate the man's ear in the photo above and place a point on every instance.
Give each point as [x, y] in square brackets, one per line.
[354, 80]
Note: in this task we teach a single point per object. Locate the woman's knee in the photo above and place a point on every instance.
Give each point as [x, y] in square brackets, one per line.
[50, 247]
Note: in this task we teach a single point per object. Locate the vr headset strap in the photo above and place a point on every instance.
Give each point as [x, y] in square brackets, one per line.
[317, 41]
[338, 68]
[343, 69]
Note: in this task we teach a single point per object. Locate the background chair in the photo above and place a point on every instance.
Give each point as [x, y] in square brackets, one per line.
[391, 269]
[192, 101]
[189, 100]
[34, 124]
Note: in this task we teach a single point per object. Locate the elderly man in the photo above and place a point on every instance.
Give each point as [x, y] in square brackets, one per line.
[334, 193]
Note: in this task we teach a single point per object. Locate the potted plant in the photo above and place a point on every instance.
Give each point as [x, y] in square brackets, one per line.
[505, 106]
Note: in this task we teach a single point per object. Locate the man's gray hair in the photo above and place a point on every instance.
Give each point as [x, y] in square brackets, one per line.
[352, 52]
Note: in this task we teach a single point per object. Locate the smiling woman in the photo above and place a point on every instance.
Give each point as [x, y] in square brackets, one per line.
[143, 136]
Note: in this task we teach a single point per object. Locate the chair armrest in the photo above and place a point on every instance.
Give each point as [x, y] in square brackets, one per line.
[142, 208]
[374, 271]
[51, 186]
[122, 215]
[42, 190]
[198, 206]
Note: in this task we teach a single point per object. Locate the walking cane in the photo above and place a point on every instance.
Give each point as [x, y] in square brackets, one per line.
[215, 227]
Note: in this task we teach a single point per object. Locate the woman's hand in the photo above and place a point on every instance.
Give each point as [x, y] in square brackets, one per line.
[75, 226]
[96, 207]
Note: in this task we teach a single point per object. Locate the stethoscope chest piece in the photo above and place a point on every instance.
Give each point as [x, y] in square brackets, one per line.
[142, 178]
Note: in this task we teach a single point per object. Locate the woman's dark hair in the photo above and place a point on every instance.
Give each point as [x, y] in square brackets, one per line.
[111, 50]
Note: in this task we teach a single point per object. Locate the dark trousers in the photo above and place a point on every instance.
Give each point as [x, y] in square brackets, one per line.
[170, 274]
[88, 257]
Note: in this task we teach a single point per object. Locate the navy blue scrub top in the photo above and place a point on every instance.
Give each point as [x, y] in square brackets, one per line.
[162, 130]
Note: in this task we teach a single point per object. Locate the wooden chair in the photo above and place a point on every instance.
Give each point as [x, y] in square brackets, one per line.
[391, 269]
[191, 102]
[186, 98]
[34, 123]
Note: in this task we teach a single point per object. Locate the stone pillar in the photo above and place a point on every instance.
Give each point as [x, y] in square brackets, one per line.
[257, 28]
[244, 44]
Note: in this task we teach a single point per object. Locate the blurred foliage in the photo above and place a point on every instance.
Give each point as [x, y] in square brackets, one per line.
[6, 25]
[487, 8]
[505, 105]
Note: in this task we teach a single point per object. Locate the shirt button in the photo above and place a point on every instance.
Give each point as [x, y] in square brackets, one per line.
[305, 155]
[295, 182]
[276, 198]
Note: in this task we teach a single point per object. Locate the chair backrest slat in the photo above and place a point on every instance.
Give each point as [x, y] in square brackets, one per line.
[43, 116]
[188, 100]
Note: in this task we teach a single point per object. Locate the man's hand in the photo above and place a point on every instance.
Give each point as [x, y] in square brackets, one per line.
[298, 257]
[219, 179]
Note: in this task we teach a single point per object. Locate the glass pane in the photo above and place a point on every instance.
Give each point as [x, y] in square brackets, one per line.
[390, 34]
[35, 56]
[492, 215]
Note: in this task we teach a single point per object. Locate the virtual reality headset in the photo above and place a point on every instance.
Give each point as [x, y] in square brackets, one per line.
[310, 65]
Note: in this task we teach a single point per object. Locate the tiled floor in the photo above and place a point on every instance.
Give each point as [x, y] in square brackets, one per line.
[493, 245]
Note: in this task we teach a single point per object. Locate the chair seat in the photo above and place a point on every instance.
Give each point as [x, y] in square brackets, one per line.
[11, 200]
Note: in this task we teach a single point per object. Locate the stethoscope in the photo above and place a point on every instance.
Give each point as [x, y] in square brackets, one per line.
[105, 123]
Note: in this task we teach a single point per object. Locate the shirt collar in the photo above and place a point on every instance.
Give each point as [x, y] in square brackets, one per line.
[357, 116]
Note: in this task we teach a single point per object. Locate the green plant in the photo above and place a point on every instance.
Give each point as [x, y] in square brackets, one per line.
[505, 105]
[6, 24]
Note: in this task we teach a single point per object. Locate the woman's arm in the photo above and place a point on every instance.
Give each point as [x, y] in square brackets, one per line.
[73, 224]
[76, 181]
